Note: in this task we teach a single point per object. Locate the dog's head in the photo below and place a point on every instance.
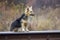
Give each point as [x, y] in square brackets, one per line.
[29, 11]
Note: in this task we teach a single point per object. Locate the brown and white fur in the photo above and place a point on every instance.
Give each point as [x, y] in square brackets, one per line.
[28, 12]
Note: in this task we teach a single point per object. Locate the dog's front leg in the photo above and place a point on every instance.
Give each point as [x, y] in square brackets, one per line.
[23, 27]
[26, 28]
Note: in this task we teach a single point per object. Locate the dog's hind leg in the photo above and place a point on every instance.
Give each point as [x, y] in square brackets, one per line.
[14, 29]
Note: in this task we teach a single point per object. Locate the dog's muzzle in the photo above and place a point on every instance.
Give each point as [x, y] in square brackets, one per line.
[32, 14]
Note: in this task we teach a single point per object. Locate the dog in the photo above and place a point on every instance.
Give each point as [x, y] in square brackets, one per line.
[22, 22]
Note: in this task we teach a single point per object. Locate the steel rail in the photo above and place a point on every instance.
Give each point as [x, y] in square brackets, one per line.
[32, 32]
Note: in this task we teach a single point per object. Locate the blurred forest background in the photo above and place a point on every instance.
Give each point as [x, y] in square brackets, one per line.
[47, 13]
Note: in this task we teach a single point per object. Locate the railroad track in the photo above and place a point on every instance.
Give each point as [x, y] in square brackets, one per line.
[31, 35]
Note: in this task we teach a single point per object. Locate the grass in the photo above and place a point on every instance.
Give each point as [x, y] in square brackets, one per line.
[47, 19]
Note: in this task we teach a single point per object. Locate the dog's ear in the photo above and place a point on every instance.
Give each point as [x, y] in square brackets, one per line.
[26, 9]
[31, 7]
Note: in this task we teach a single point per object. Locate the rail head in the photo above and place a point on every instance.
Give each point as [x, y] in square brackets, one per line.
[31, 32]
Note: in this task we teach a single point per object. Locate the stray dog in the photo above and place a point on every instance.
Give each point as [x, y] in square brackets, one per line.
[22, 21]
